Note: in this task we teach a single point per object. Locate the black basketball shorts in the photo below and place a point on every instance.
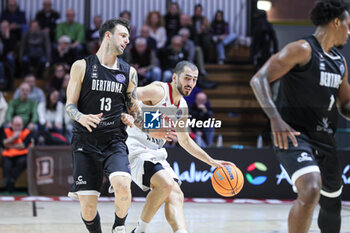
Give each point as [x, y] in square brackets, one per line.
[92, 158]
[307, 158]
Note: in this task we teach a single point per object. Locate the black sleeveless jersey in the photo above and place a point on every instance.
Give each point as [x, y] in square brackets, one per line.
[308, 95]
[104, 90]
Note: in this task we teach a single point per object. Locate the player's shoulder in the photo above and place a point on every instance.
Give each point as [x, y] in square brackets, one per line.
[301, 47]
[78, 69]
[79, 65]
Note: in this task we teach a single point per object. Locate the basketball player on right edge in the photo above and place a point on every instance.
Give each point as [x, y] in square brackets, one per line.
[149, 168]
[314, 79]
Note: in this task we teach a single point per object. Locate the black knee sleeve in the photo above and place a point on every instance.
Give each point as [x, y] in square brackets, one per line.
[93, 226]
[329, 218]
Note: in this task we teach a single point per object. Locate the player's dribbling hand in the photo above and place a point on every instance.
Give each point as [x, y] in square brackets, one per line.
[281, 131]
[220, 163]
[127, 119]
[90, 120]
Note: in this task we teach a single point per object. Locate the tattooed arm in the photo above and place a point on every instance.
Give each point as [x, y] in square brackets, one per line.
[73, 92]
[132, 104]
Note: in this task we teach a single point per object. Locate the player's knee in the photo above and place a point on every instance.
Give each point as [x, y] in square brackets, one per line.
[165, 186]
[309, 195]
[177, 195]
[122, 189]
[88, 211]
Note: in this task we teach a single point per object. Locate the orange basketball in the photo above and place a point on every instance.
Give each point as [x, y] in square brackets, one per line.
[227, 181]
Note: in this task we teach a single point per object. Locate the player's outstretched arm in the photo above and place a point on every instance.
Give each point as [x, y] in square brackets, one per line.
[296, 53]
[191, 147]
[73, 92]
[344, 95]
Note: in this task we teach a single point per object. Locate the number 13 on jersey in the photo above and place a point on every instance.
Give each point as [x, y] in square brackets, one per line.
[106, 104]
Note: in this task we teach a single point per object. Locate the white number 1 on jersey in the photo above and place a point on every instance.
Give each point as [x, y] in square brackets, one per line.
[332, 100]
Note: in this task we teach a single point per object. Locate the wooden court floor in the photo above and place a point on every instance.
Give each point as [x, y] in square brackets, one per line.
[64, 217]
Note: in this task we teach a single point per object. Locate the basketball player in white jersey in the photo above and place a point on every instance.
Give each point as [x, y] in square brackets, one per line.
[149, 168]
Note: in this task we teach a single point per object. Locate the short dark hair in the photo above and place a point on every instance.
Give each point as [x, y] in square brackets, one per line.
[110, 25]
[180, 67]
[325, 11]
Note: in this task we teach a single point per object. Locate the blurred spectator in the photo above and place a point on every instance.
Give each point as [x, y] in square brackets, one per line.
[155, 21]
[35, 92]
[145, 33]
[170, 56]
[172, 20]
[195, 53]
[16, 19]
[23, 107]
[35, 50]
[57, 78]
[75, 31]
[186, 22]
[221, 35]
[63, 53]
[92, 35]
[63, 90]
[15, 141]
[47, 18]
[133, 30]
[68, 122]
[201, 28]
[200, 111]
[51, 113]
[264, 43]
[3, 109]
[144, 60]
[9, 44]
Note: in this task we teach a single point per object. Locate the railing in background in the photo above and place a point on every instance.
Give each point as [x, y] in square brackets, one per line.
[235, 11]
[33, 6]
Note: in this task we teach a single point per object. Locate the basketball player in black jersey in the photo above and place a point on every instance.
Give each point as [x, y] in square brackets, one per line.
[102, 88]
[313, 80]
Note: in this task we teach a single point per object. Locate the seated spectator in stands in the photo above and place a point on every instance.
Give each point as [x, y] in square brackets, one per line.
[16, 19]
[75, 31]
[47, 18]
[35, 93]
[8, 40]
[3, 79]
[133, 30]
[51, 114]
[200, 111]
[92, 35]
[172, 21]
[57, 77]
[201, 29]
[35, 50]
[221, 35]
[23, 107]
[144, 60]
[145, 33]
[63, 53]
[3, 109]
[170, 56]
[15, 140]
[63, 90]
[155, 21]
[186, 22]
[195, 53]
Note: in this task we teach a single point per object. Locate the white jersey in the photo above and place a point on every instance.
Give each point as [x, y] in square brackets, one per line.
[143, 147]
[137, 139]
